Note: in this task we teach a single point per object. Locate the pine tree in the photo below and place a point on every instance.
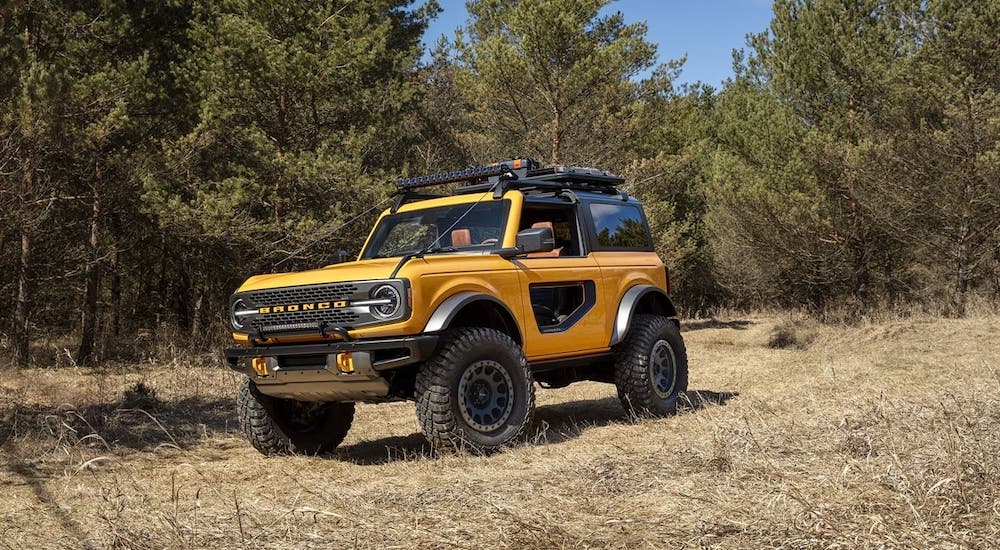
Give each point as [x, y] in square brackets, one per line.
[298, 127]
[814, 86]
[32, 124]
[553, 79]
[933, 175]
[111, 86]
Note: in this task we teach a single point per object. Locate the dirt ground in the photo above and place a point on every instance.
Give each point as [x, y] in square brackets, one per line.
[882, 435]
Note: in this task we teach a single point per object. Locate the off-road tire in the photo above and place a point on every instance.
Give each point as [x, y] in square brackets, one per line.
[437, 391]
[266, 422]
[634, 362]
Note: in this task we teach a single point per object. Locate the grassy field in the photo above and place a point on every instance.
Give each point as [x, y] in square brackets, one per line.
[883, 435]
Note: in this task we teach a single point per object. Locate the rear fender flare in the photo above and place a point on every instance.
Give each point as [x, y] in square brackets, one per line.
[627, 307]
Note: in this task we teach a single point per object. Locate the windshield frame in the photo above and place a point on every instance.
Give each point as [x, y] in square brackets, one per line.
[378, 234]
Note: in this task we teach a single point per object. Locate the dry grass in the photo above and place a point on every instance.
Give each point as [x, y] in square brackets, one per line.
[883, 435]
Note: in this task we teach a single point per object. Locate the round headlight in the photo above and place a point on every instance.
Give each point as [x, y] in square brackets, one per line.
[238, 313]
[390, 301]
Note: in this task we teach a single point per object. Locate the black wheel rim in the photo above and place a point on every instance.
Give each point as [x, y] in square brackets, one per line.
[485, 395]
[304, 417]
[662, 369]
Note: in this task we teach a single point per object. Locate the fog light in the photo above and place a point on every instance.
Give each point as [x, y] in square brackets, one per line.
[259, 365]
[345, 363]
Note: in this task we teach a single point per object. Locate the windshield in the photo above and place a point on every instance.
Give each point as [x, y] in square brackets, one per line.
[441, 229]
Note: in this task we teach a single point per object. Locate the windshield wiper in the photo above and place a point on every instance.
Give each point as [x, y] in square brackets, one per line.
[437, 249]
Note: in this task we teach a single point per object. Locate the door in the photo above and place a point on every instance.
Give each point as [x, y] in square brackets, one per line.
[564, 309]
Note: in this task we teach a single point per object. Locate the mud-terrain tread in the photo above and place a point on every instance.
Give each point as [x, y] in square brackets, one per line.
[435, 412]
[631, 364]
[256, 416]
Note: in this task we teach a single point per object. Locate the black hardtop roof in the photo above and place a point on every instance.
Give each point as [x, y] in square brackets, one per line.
[583, 196]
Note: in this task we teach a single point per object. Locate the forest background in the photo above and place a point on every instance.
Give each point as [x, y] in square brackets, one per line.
[153, 155]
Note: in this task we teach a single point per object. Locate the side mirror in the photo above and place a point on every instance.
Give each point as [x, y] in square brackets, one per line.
[535, 239]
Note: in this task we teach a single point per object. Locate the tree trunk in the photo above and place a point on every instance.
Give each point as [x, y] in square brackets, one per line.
[182, 301]
[961, 274]
[962, 260]
[962, 271]
[21, 335]
[160, 308]
[862, 277]
[556, 130]
[116, 292]
[92, 278]
[858, 244]
[196, 316]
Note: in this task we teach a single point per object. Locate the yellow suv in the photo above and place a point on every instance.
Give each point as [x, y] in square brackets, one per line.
[462, 303]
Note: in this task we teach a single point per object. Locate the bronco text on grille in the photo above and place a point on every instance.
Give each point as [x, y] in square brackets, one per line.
[319, 308]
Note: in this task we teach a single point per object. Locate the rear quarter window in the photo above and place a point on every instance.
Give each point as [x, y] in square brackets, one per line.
[619, 226]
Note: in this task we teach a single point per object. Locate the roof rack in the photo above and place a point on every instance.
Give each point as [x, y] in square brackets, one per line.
[516, 168]
[524, 174]
[554, 178]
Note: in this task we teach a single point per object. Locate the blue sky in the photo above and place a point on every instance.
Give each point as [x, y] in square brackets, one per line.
[706, 30]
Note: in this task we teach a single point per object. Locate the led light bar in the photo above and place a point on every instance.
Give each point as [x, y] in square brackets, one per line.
[469, 174]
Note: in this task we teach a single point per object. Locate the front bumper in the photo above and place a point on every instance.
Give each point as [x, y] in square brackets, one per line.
[310, 372]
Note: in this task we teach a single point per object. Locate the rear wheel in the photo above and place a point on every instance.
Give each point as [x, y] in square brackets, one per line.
[284, 426]
[476, 393]
[651, 367]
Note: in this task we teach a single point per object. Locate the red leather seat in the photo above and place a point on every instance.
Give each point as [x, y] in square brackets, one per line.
[461, 237]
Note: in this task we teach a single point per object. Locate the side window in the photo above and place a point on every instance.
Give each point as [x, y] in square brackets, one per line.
[558, 306]
[562, 220]
[619, 226]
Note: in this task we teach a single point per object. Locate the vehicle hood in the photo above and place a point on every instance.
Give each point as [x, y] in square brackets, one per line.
[349, 271]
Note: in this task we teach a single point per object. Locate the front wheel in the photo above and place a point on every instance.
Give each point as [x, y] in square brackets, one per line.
[476, 393]
[651, 368]
[283, 426]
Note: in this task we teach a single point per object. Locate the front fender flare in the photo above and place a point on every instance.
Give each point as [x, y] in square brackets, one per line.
[449, 308]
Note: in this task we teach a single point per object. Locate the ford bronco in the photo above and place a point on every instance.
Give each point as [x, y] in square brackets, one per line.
[463, 302]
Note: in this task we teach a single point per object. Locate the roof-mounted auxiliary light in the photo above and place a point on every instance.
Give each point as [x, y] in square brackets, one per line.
[520, 168]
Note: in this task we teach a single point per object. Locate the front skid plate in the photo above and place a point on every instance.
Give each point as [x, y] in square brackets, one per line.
[310, 373]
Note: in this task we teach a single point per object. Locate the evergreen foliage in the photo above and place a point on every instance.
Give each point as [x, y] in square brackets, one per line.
[152, 155]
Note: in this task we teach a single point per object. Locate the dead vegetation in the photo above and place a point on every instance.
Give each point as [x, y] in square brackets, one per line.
[881, 435]
[793, 331]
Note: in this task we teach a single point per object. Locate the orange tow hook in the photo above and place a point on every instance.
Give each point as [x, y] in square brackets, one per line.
[259, 365]
[345, 363]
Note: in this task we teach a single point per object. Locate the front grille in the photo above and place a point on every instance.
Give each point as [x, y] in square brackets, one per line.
[302, 294]
[314, 320]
